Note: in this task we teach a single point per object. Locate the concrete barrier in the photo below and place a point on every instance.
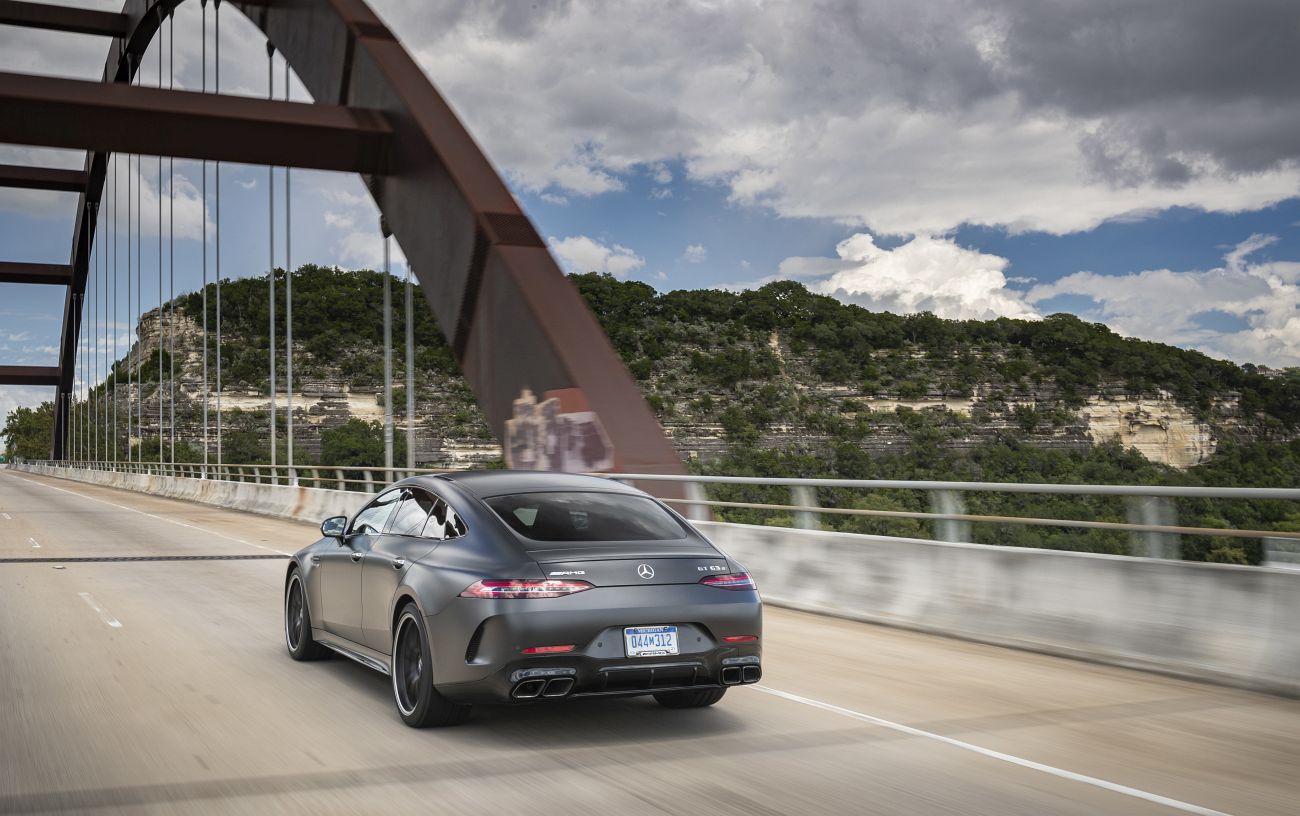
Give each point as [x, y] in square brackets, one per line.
[1225, 623]
[283, 501]
[1218, 622]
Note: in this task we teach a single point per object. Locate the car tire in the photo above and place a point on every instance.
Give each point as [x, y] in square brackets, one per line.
[418, 702]
[297, 622]
[691, 698]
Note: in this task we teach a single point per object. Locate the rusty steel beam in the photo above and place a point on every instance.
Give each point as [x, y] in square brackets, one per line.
[29, 375]
[55, 274]
[64, 18]
[114, 117]
[516, 324]
[42, 178]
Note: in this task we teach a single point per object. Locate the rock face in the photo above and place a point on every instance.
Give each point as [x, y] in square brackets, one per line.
[319, 403]
[450, 432]
[1160, 428]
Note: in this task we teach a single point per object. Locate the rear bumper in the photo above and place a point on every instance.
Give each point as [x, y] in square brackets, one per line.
[478, 644]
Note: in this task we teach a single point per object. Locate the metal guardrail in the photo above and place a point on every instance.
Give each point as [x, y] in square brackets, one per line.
[363, 479]
[1151, 513]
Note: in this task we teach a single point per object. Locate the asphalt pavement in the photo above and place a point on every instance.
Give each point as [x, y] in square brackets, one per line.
[163, 686]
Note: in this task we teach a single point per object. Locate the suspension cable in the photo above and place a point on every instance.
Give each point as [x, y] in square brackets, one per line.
[93, 334]
[130, 330]
[216, 68]
[139, 292]
[101, 325]
[204, 230]
[114, 368]
[288, 302]
[171, 240]
[388, 352]
[160, 271]
[270, 269]
[410, 373]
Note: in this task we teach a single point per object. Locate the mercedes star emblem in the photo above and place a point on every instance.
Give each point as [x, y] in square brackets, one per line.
[645, 571]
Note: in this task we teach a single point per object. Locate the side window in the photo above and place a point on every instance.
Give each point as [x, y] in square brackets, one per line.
[411, 513]
[372, 519]
[444, 522]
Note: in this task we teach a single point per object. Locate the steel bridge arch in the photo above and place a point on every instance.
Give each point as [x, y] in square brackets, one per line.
[513, 321]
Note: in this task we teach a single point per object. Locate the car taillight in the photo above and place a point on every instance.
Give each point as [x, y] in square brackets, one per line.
[741, 638]
[740, 580]
[523, 588]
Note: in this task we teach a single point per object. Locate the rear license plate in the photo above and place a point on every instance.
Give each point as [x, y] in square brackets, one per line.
[650, 641]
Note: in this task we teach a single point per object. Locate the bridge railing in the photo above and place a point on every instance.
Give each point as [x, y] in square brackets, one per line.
[1151, 512]
[346, 477]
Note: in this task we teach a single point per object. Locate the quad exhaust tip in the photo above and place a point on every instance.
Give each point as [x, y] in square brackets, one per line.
[541, 687]
[528, 689]
[735, 675]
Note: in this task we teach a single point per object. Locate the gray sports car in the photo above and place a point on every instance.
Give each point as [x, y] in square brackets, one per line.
[506, 587]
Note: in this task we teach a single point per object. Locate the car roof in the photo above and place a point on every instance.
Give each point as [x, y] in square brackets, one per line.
[487, 483]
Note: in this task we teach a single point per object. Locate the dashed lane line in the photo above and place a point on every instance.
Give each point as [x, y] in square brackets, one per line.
[103, 613]
[1136, 793]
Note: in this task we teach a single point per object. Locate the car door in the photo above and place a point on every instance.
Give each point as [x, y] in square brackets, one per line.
[342, 567]
[404, 542]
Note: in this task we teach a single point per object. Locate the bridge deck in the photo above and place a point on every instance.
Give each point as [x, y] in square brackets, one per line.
[163, 685]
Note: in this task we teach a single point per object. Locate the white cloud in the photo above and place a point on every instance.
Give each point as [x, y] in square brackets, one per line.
[182, 201]
[336, 220]
[552, 198]
[922, 275]
[1168, 306]
[328, 188]
[1014, 113]
[22, 396]
[695, 253]
[364, 249]
[579, 253]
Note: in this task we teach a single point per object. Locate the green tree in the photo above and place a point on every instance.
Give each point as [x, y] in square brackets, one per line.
[358, 443]
[28, 432]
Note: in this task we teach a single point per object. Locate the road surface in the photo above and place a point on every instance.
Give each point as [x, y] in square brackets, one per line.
[156, 686]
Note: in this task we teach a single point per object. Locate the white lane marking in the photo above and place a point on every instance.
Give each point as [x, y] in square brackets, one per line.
[35, 546]
[103, 614]
[1176, 804]
[152, 516]
[7, 516]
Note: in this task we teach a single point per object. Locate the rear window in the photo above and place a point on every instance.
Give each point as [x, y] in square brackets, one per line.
[586, 517]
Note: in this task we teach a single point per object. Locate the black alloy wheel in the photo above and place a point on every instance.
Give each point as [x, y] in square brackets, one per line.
[297, 623]
[418, 702]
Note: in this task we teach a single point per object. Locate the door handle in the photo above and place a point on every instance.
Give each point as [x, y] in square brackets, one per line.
[398, 563]
[356, 556]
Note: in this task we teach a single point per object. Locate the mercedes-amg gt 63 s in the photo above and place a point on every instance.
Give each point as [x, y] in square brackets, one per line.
[512, 587]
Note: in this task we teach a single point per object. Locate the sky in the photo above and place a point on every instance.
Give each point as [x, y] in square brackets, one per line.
[1134, 163]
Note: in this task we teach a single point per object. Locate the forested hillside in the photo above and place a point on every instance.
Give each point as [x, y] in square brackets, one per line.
[780, 381]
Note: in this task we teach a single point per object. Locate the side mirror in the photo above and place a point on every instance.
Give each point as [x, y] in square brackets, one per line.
[334, 526]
